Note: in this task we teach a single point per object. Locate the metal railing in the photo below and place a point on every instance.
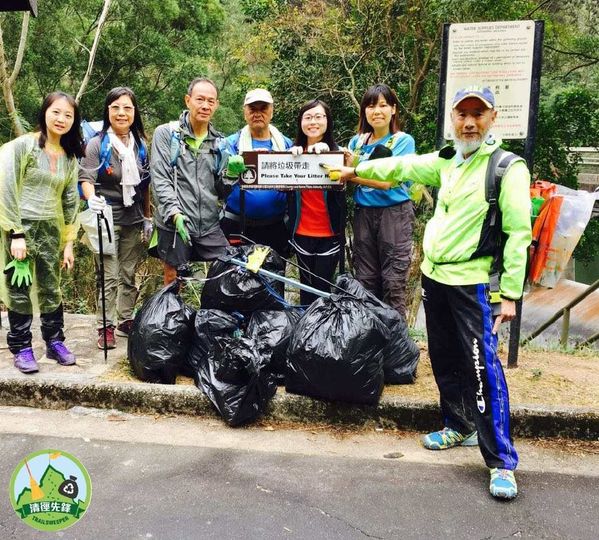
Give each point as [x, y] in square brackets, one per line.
[565, 313]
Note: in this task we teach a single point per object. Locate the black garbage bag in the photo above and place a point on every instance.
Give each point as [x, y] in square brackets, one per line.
[272, 331]
[401, 354]
[236, 380]
[209, 324]
[232, 288]
[336, 352]
[160, 336]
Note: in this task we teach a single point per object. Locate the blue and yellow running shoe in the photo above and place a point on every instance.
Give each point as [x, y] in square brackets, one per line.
[448, 438]
[503, 484]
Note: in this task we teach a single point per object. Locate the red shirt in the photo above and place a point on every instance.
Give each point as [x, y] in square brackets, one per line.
[314, 215]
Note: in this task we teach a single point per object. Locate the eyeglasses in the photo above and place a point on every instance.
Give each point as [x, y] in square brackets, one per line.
[116, 109]
[314, 117]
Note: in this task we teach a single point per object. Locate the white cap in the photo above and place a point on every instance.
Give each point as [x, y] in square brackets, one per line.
[258, 94]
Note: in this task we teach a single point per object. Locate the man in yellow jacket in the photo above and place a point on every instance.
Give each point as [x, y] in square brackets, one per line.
[459, 252]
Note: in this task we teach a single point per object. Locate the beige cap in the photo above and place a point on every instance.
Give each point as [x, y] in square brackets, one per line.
[258, 94]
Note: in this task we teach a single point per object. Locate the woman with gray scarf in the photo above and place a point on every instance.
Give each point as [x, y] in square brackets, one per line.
[115, 172]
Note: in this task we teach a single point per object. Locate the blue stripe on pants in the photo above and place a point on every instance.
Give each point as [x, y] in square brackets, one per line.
[497, 387]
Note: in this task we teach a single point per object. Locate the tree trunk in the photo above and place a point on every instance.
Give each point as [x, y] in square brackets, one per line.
[8, 81]
[92, 53]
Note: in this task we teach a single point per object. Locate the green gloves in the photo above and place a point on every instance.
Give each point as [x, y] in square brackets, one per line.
[235, 166]
[182, 229]
[21, 273]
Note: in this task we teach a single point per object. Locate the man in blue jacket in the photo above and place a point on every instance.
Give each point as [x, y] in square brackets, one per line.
[264, 209]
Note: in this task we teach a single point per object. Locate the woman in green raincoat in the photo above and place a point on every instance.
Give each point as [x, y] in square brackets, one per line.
[38, 213]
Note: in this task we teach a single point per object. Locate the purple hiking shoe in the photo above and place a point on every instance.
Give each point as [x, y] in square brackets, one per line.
[57, 350]
[25, 361]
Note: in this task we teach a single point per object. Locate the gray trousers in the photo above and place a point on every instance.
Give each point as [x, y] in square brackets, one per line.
[119, 275]
[383, 250]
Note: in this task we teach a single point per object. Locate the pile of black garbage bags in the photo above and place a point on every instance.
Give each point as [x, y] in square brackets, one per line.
[245, 341]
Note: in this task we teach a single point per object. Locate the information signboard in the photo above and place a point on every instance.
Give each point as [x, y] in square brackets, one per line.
[499, 55]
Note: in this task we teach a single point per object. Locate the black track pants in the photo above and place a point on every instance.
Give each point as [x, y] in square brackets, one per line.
[463, 352]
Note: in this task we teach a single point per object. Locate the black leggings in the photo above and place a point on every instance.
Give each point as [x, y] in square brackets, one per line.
[19, 335]
[320, 256]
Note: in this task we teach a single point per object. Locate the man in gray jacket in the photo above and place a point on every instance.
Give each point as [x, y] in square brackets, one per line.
[185, 167]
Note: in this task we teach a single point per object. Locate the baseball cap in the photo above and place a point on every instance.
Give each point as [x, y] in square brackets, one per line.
[484, 94]
[257, 94]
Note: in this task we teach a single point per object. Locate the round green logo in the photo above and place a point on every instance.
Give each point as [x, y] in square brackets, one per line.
[50, 490]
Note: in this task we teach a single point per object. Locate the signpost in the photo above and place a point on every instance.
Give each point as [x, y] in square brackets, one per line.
[506, 56]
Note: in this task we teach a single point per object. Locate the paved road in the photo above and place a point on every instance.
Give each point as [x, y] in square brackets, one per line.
[184, 478]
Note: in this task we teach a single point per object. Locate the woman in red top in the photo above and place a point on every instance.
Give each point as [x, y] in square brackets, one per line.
[316, 216]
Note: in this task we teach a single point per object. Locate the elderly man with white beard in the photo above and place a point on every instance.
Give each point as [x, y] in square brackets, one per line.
[475, 249]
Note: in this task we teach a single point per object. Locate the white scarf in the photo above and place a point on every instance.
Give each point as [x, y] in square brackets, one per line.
[245, 140]
[129, 171]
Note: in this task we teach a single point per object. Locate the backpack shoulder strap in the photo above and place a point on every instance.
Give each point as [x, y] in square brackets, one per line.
[105, 152]
[490, 241]
[498, 164]
[143, 152]
[175, 144]
[361, 141]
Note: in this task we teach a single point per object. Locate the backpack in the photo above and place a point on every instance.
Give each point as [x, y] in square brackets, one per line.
[492, 240]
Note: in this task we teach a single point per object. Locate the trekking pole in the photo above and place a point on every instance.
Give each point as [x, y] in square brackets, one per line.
[102, 287]
[277, 277]
[175, 181]
[342, 219]
[304, 269]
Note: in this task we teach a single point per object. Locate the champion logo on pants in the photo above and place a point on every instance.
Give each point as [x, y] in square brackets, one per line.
[478, 367]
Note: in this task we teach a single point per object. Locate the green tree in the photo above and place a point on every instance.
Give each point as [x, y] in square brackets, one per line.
[336, 49]
[153, 46]
[237, 63]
